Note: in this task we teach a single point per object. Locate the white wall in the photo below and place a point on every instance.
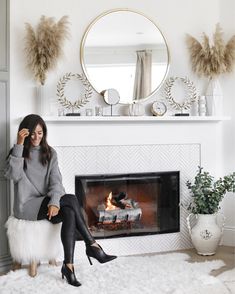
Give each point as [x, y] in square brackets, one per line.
[174, 18]
[227, 15]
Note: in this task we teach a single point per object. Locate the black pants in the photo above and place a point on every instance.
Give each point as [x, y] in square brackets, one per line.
[73, 223]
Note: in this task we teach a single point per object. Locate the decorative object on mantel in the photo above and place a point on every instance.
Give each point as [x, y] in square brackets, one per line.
[111, 97]
[204, 206]
[80, 102]
[98, 110]
[136, 109]
[202, 105]
[211, 61]
[89, 112]
[189, 91]
[43, 48]
[158, 108]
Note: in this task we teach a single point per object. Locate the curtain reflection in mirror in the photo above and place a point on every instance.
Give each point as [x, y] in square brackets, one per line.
[143, 74]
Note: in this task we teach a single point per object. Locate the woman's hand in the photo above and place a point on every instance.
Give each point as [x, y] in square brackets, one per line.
[23, 133]
[52, 211]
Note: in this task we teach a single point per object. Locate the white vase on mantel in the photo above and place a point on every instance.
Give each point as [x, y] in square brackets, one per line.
[41, 101]
[214, 98]
[136, 109]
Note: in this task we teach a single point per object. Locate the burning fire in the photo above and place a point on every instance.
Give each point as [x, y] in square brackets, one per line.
[109, 205]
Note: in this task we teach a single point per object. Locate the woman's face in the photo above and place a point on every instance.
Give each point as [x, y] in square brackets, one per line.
[36, 136]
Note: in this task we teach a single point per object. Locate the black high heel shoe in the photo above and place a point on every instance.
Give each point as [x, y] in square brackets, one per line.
[98, 253]
[70, 276]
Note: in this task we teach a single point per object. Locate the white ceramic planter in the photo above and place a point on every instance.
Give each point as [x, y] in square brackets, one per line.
[206, 232]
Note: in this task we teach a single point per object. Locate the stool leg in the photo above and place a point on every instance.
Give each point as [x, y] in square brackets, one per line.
[33, 269]
[16, 265]
[53, 262]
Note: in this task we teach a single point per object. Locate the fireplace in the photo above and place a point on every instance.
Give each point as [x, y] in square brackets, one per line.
[121, 205]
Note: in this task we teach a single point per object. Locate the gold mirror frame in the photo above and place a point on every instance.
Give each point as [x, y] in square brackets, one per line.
[82, 53]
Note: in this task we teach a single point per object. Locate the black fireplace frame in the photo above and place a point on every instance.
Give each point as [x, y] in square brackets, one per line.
[80, 193]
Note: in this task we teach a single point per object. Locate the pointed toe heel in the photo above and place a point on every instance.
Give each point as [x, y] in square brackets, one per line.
[70, 276]
[98, 253]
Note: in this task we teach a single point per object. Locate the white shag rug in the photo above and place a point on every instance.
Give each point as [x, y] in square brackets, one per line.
[163, 274]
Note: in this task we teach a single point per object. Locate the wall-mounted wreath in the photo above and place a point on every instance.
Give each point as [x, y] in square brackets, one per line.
[64, 101]
[191, 94]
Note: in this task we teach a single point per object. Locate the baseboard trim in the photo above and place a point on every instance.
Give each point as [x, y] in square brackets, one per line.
[5, 264]
[228, 238]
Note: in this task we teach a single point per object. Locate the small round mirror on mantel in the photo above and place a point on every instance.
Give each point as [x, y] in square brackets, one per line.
[125, 50]
[111, 97]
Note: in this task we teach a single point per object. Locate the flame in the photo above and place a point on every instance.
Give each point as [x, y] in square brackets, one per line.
[109, 205]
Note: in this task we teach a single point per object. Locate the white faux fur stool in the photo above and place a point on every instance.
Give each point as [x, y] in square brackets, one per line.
[31, 242]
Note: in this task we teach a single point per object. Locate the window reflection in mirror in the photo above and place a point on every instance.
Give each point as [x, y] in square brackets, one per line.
[126, 51]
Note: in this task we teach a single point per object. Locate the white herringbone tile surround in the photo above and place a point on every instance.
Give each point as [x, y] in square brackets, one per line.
[87, 160]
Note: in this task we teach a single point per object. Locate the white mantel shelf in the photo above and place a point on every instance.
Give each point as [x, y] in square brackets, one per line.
[152, 119]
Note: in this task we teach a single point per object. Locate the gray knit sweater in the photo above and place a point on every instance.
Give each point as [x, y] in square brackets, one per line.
[31, 185]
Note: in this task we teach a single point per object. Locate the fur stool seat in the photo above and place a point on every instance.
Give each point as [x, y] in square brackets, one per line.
[32, 242]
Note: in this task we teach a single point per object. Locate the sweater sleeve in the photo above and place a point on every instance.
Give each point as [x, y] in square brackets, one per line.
[15, 164]
[55, 188]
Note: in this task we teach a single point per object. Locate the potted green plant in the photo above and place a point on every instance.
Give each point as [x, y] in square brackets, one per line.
[207, 193]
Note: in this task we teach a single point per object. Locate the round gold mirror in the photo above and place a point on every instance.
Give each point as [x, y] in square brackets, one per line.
[126, 51]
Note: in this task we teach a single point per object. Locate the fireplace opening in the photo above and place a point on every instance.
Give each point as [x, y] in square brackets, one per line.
[129, 204]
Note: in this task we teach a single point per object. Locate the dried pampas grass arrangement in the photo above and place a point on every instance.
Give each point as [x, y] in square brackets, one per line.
[210, 61]
[44, 45]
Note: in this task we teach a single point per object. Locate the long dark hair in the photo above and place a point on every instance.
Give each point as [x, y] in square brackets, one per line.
[30, 122]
